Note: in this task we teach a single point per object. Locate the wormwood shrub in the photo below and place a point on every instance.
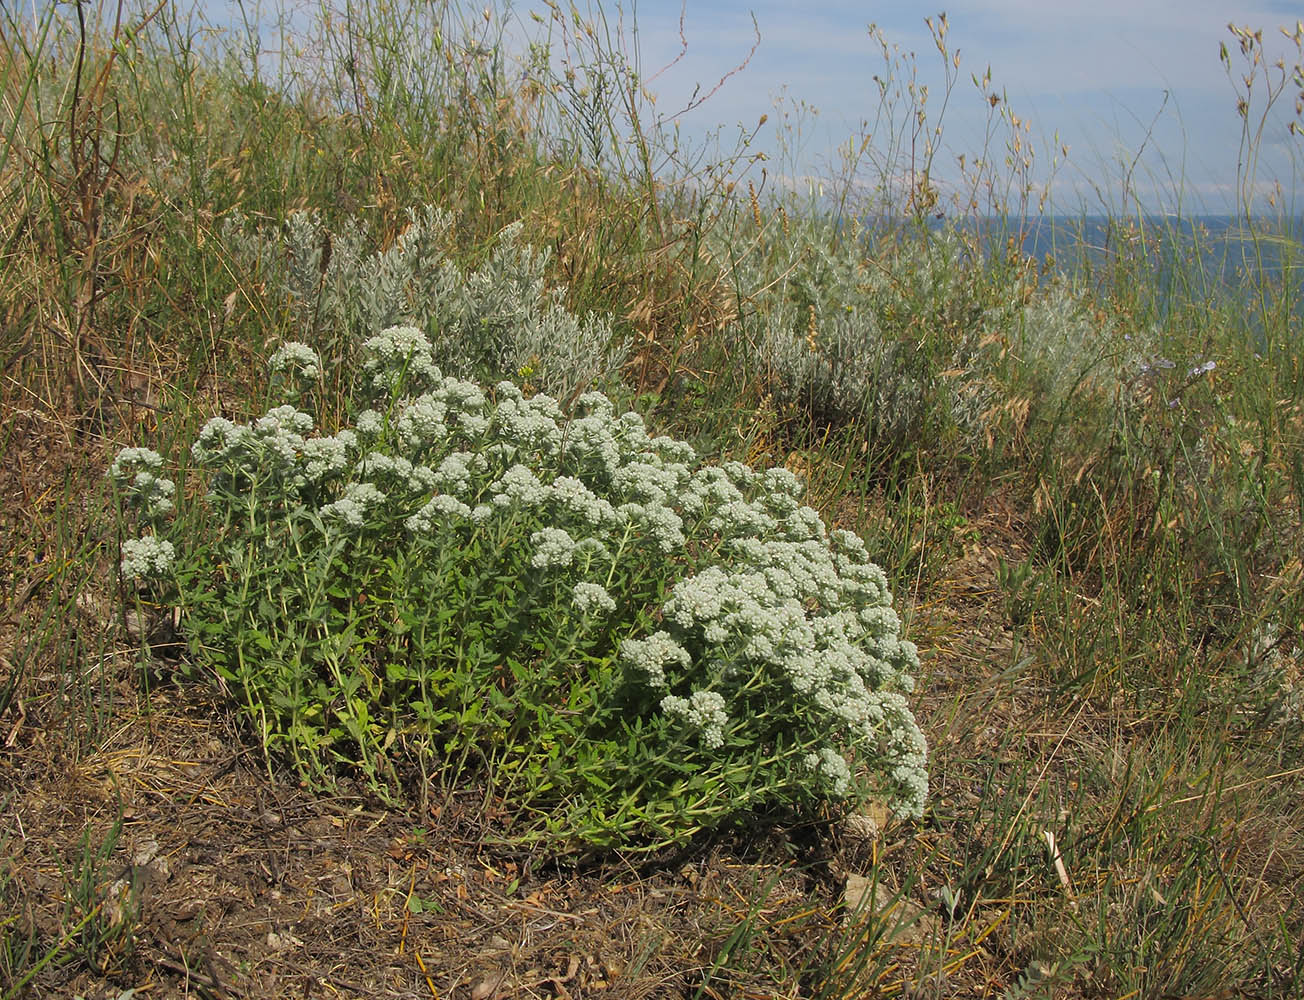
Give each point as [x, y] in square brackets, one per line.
[499, 317]
[626, 645]
[890, 339]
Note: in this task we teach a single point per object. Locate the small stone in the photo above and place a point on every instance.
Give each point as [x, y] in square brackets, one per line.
[145, 852]
[282, 942]
[907, 922]
[867, 823]
[487, 988]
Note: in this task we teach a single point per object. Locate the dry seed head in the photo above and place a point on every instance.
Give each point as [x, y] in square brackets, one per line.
[756, 205]
[811, 330]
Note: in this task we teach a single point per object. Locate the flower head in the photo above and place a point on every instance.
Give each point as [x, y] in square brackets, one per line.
[830, 771]
[648, 658]
[129, 461]
[296, 360]
[553, 549]
[135, 472]
[369, 424]
[703, 712]
[441, 509]
[146, 558]
[221, 441]
[518, 487]
[592, 599]
[327, 456]
[398, 357]
[352, 509]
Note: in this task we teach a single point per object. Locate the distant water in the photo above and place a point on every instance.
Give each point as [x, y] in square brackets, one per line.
[1229, 249]
[1210, 256]
[1224, 242]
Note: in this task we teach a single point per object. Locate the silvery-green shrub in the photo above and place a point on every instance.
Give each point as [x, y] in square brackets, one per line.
[845, 335]
[1064, 349]
[497, 321]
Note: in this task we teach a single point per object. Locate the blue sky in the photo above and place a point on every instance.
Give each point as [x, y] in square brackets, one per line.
[1102, 75]
[1133, 88]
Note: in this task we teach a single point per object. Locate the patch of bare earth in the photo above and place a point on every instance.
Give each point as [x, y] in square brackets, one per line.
[224, 882]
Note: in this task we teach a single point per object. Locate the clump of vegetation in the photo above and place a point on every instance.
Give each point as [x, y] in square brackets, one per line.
[884, 334]
[496, 318]
[615, 636]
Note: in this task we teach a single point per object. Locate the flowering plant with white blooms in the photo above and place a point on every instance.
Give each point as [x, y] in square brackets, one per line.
[143, 491]
[624, 644]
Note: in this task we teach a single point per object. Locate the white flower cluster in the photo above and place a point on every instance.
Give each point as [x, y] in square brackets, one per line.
[441, 509]
[573, 500]
[454, 474]
[271, 446]
[297, 360]
[592, 599]
[649, 657]
[398, 356]
[354, 507]
[810, 616]
[528, 427]
[221, 442]
[553, 549]
[282, 429]
[422, 423]
[274, 448]
[136, 472]
[370, 424]
[831, 771]
[659, 522]
[451, 409]
[397, 474]
[327, 456]
[650, 482]
[146, 558]
[702, 712]
[129, 461]
[592, 451]
[518, 488]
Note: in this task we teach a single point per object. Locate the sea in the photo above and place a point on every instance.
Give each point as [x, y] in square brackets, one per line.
[1226, 258]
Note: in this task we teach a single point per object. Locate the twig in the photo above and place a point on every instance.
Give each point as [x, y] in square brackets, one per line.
[182, 969]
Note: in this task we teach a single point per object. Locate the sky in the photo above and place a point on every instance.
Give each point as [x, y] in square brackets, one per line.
[1123, 105]
[1135, 89]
